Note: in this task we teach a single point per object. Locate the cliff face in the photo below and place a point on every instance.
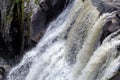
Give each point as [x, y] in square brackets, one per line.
[11, 28]
[48, 10]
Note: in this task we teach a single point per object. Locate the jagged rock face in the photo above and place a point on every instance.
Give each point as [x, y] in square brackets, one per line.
[105, 6]
[4, 68]
[112, 25]
[5, 22]
[11, 28]
[49, 10]
[17, 38]
[108, 6]
[38, 24]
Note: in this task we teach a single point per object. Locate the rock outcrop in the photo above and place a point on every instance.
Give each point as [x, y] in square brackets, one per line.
[112, 25]
[23, 23]
[49, 10]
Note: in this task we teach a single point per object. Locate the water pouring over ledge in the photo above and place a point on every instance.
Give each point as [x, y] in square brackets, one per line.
[71, 50]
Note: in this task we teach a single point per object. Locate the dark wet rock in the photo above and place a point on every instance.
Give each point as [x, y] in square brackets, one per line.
[14, 38]
[19, 31]
[53, 5]
[105, 6]
[117, 76]
[2, 73]
[38, 36]
[3, 48]
[14, 30]
[10, 29]
[4, 69]
[49, 10]
[38, 23]
[110, 26]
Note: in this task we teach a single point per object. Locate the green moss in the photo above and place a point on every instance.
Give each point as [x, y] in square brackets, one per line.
[36, 1]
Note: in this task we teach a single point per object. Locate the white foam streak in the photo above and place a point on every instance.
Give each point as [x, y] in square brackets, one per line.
[89, 45]
[100, 55]
[112, 69]
[46, 59]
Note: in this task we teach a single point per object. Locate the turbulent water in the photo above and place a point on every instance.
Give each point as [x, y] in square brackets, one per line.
[71, 50]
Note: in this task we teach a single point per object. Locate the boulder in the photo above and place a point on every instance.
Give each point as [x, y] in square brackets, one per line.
[112, 25]
[49, 10]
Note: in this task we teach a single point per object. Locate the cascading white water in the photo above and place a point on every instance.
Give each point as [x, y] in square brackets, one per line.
[70, 49]
[47, 59]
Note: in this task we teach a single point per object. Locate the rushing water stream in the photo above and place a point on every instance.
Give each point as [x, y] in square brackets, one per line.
[71, 50]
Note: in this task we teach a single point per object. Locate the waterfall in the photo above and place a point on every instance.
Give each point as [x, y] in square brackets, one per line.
[71, 49]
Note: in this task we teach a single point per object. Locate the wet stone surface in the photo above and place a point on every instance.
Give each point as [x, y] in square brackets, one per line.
[4, 69]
